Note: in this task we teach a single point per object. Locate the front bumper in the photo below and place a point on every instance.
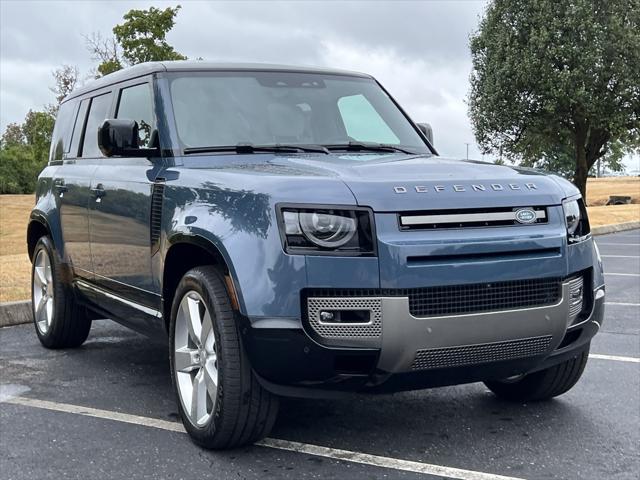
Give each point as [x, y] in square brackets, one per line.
[399, 351]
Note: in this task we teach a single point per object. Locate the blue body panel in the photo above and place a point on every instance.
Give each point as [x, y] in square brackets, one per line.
[231, 200]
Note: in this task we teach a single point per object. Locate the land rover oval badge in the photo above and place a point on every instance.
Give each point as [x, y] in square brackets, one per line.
[526, 215]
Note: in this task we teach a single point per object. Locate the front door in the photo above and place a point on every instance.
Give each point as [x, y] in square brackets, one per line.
[120, 214]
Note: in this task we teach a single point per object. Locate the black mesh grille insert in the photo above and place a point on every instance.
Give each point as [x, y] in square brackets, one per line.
[157, 194]
[461, 299]
[478, 354]
[482, 297]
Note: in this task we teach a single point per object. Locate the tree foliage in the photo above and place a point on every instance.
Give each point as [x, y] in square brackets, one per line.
[65, 80]
[24, 152]
[557, 82]
[24, 147]
[140, 38]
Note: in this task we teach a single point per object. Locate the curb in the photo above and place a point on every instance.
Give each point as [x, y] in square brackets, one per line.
[617, 227]
[15, 313]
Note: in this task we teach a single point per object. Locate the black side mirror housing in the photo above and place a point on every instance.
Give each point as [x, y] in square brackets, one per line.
[426, 129]
[119, 137]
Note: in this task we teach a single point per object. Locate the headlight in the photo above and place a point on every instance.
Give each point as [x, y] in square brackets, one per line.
[576, 220]
[327, 231]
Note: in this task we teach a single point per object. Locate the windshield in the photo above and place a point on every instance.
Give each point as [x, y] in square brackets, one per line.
[217, 109]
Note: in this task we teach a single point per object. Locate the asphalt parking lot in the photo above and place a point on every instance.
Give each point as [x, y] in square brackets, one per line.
[107, 410]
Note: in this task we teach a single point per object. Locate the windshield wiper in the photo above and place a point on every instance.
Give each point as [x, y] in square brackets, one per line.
[366, 146]
[250, 148]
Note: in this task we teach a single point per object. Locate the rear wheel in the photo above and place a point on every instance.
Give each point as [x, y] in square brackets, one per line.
[544, 384]
[221, 403]
[59, 320]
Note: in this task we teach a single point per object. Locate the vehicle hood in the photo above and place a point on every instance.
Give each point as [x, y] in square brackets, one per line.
[400, 182]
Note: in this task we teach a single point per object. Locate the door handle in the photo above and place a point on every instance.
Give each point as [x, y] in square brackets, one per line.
[59, 186]
[98, 192]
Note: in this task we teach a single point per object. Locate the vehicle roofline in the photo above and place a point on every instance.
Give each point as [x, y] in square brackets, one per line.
[149, 68]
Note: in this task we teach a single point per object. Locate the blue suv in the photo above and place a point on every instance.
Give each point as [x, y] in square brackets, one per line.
[291, 231]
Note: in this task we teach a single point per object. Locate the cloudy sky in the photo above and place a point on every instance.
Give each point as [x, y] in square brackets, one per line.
[418, 50]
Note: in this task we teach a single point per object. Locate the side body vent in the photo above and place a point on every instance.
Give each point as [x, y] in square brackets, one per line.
[157, 195]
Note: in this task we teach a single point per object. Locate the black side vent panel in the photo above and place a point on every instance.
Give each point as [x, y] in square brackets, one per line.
[157, 195]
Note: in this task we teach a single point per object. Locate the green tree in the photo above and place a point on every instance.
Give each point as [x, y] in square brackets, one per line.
[65, 80]
[140, 38]
[18, 169]
[13, 135]
[557, 81]
[37, 128]
[24, 152]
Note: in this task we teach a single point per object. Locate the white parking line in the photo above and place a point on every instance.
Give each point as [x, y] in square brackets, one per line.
[317, 450]
[623, 274]
[623, 244]
[623, 304]
[615, 358]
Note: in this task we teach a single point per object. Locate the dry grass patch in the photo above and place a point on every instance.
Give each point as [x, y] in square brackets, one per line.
[15, 269]
[599, 189]
[611, 214]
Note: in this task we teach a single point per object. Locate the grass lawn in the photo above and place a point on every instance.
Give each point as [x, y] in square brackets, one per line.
[15, 269]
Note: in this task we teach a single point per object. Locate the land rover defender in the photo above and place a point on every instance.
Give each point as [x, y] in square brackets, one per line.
[292, 232]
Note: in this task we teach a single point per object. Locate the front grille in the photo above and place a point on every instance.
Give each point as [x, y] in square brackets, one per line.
[479, 354]
[472, 218]
[483, 297]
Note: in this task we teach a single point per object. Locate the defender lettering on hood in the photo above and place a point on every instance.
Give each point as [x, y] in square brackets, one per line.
[475, 187]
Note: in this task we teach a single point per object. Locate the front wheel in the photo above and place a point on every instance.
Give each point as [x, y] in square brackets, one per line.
[221, 403]
[544, 384]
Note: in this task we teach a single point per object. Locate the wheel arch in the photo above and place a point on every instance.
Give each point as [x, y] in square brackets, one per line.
[189, 251]
[37, 228]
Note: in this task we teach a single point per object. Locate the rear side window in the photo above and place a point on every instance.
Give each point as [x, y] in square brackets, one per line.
[98, 111]
[61, 138]
[136, 104]
[77, 128]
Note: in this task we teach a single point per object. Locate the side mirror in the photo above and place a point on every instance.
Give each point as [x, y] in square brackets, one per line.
[119, 137]
[426, 129]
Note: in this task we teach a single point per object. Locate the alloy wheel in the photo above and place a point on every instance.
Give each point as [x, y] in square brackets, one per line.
[42, 291]
[195, 359]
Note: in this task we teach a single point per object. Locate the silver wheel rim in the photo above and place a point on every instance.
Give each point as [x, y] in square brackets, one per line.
[42, 291]
[195, 359]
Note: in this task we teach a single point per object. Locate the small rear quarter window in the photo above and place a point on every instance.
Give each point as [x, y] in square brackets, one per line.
[61, 137]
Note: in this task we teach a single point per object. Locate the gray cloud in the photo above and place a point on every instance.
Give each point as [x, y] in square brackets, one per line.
[418, 50]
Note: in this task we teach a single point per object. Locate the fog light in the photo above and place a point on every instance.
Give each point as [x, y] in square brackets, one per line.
[327, 316]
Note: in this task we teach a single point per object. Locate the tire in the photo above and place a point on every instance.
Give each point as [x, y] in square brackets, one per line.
[238, 411]
[542, 385]
[60, 322]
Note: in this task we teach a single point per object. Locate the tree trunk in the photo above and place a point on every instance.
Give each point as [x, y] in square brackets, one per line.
[582, 167]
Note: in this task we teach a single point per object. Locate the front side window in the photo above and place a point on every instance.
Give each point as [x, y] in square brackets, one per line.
[135, 104]
[98, 111]
[219, 109]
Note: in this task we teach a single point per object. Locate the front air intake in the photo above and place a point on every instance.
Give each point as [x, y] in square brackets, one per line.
[478, 354]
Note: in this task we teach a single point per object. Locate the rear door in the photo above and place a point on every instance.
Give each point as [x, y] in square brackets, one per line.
[120, 210]
[71, 185]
